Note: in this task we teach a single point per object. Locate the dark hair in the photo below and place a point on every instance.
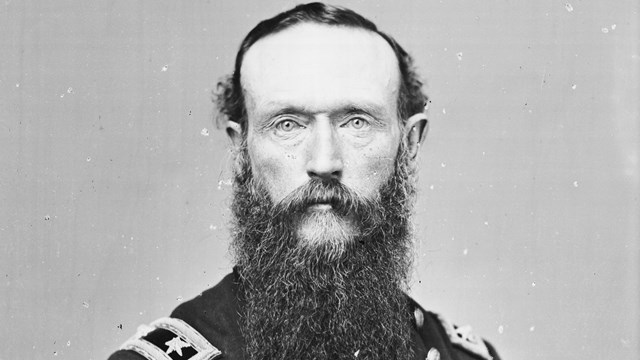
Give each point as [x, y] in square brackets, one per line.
[229, 96]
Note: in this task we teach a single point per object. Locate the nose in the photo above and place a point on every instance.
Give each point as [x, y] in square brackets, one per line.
[324, 154]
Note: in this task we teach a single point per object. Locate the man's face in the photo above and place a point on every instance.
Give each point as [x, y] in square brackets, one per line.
[321, 103]
[322, 198]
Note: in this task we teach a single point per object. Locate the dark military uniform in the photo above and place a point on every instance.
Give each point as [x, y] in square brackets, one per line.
[207, 328]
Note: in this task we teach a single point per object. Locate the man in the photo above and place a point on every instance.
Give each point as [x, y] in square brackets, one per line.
[326, 116]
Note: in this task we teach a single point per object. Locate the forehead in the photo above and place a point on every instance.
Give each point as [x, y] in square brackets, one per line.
[321, 66]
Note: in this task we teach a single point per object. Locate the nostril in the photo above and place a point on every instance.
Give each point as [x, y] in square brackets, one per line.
[325, 175]
[325, 166]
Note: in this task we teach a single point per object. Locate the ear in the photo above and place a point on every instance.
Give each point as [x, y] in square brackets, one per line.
[415, 131]
[234, 131]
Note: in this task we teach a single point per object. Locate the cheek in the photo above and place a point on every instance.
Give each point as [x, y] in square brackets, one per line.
[381, 164]
[273, 168]
[264, 165]
[372, 167]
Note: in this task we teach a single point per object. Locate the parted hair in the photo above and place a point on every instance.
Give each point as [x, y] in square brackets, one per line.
[229, 97]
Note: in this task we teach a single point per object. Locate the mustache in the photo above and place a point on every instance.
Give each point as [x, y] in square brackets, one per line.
[343, 201]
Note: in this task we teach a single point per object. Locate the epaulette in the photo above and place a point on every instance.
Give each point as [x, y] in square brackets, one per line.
[462, 336]
[171, 339]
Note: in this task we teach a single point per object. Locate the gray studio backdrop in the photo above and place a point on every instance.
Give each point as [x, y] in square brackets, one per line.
[115, 183]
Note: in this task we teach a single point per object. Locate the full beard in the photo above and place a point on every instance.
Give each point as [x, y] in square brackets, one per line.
[338, 293]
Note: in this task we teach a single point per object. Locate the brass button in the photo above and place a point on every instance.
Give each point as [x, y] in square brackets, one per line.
[419, 316]
[433, 354]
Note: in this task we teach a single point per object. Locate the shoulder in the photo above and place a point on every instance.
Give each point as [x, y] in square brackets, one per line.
[205, 327]
[167, 338]
[453, 341]
[463, 338]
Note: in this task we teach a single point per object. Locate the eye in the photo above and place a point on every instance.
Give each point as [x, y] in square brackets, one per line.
[287, 125]
[357, 123]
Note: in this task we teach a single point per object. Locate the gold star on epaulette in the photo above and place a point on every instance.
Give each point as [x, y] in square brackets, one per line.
[176, 344]
[170, 339]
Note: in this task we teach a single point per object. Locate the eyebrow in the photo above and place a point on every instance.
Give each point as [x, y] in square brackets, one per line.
[275, 108]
